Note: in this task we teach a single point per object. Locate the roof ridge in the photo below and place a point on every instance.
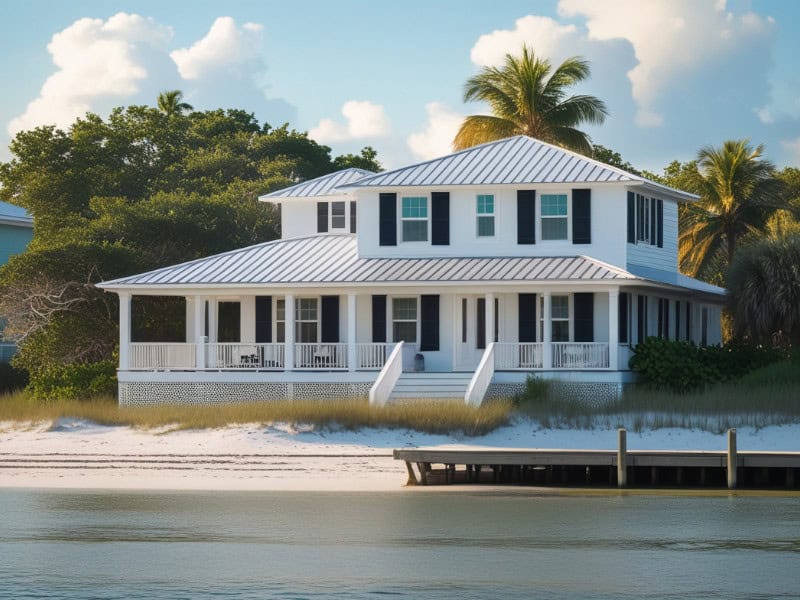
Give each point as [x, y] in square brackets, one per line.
[325, 176]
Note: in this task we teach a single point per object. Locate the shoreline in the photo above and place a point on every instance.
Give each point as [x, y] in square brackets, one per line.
[73, 454]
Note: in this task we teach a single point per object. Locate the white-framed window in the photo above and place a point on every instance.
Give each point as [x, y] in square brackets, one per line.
[414, 218]
[280, 321]
[337, 215]
[485, 215]
[404, 320]
[307, 320]
[559, 317]
[555, 217]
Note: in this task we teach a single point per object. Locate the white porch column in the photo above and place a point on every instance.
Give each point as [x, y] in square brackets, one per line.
[213, 314]
[124, 330]
[613, 330]
[489, 318]
[547, 333]
[199, 318]
[289, 332]
[352, 355]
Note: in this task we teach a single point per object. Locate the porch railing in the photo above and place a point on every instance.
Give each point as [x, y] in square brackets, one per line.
[580, 355]
[371, 357]
[518, 357]
[162, 355]
[244, 356]
[320, 356]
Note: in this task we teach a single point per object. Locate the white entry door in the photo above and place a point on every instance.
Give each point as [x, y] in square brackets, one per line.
[468, 319]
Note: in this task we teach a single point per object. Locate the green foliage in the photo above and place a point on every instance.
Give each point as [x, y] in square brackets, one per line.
[764, 290]
[536, 390]
[610, 157]
[368, 159]
[75, 381]
[12, 378]
[680, 366]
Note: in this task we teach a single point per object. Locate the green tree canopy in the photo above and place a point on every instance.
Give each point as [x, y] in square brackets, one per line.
[528, 97]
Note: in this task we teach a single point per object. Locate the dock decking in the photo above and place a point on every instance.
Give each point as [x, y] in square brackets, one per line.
[621, 467]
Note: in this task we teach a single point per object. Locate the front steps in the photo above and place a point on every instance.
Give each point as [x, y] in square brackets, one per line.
[441, 386]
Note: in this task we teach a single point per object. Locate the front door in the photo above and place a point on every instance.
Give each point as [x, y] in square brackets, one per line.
[470, 318]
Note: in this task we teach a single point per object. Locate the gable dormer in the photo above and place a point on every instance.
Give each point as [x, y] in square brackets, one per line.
[320, 205]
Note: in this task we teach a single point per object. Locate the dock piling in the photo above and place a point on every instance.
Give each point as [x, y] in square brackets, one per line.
[733, 462]
[622, 458]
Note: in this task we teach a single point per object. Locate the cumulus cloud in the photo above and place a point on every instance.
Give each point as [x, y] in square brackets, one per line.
[225, 46]
[96, 60]
[363, 119]
[670, 38]
[546, 35]
[436, 139]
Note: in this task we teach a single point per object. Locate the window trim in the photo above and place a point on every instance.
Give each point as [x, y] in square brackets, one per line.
[277, 321]
[541, 217]
[297, 321]
[417, 319]
[479, 215]
[570, 318]
[427, 220]
[331, 227]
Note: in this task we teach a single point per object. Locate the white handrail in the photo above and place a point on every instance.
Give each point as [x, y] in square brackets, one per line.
[236, 355]
[481, 379]
[384, 384]
[518, 356]
[320, 356]
[162, 355]
[580, 355]
[370, 356]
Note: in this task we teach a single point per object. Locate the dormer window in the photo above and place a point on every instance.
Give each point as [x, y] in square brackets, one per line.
[414, 218]
[331, 216]
[337, 215]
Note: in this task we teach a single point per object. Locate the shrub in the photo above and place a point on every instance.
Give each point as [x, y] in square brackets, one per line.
[12, 378]
[75, 381]
[536, 390]
[681, 366]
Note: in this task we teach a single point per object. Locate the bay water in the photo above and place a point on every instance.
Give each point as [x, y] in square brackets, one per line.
[408, 544]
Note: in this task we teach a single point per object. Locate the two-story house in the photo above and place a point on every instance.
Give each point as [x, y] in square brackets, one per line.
[455, 277]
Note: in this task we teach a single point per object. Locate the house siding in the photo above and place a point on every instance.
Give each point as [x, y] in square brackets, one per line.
[666, 258]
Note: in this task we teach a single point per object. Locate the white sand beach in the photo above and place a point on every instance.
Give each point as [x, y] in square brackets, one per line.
[77, 454]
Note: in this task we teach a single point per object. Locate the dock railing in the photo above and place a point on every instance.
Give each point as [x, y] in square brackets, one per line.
[384, 384]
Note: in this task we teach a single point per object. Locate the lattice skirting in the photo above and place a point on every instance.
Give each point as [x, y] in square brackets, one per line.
[143, 393]
[582, 393]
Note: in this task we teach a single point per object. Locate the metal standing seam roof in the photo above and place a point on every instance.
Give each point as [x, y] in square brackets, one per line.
[10, 213]
[333, 259]
[321, 186]
[515, 160]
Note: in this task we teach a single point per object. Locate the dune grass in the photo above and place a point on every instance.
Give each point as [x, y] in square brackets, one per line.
[425, 416]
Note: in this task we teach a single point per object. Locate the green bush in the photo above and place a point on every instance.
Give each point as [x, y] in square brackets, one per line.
[75, 381]
[681, 366]
[12, 378]
[536, 390]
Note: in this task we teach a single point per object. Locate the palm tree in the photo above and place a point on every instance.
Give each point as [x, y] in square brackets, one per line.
[764, 289]
[528, 97]
[738, 193]
[170, 103]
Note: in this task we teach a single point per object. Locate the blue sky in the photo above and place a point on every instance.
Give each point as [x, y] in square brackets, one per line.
[676, 74]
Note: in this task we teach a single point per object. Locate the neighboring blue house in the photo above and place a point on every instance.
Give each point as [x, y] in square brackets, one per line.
[16, 230]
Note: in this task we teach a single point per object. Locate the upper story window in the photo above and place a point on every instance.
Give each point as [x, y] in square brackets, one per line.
[414, 218]
[485, 215]
[554, 217]
[645, 220]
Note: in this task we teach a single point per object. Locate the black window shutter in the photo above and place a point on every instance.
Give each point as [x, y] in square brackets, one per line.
[440, 218]
[631, 218]
[388, 220]
[660, 220]
[641, 318]
[623, 318]
[322, 217]
[582, 216]
[666, 318]
[689, 321]
[480, 334]
[429, 325]
[526, 217]
[352, 216]
[584, 317]
[329, 328]
[660, 317]
[527, 318]
[263, 319]
[677, 319]
[379, 319]
[652, 221]
[640, 202]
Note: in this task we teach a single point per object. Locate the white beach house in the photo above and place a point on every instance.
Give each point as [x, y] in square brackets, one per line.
[455, 277]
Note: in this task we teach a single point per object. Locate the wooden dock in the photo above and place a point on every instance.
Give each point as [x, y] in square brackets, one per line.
[621, 467]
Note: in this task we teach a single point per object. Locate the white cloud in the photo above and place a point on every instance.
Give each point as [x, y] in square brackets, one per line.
[545, 35]
[364, 119]
[96, 59]
[670, 38]
[437, 137]
[224, 46]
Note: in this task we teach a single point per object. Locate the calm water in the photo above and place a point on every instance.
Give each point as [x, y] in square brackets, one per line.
[414, 545]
